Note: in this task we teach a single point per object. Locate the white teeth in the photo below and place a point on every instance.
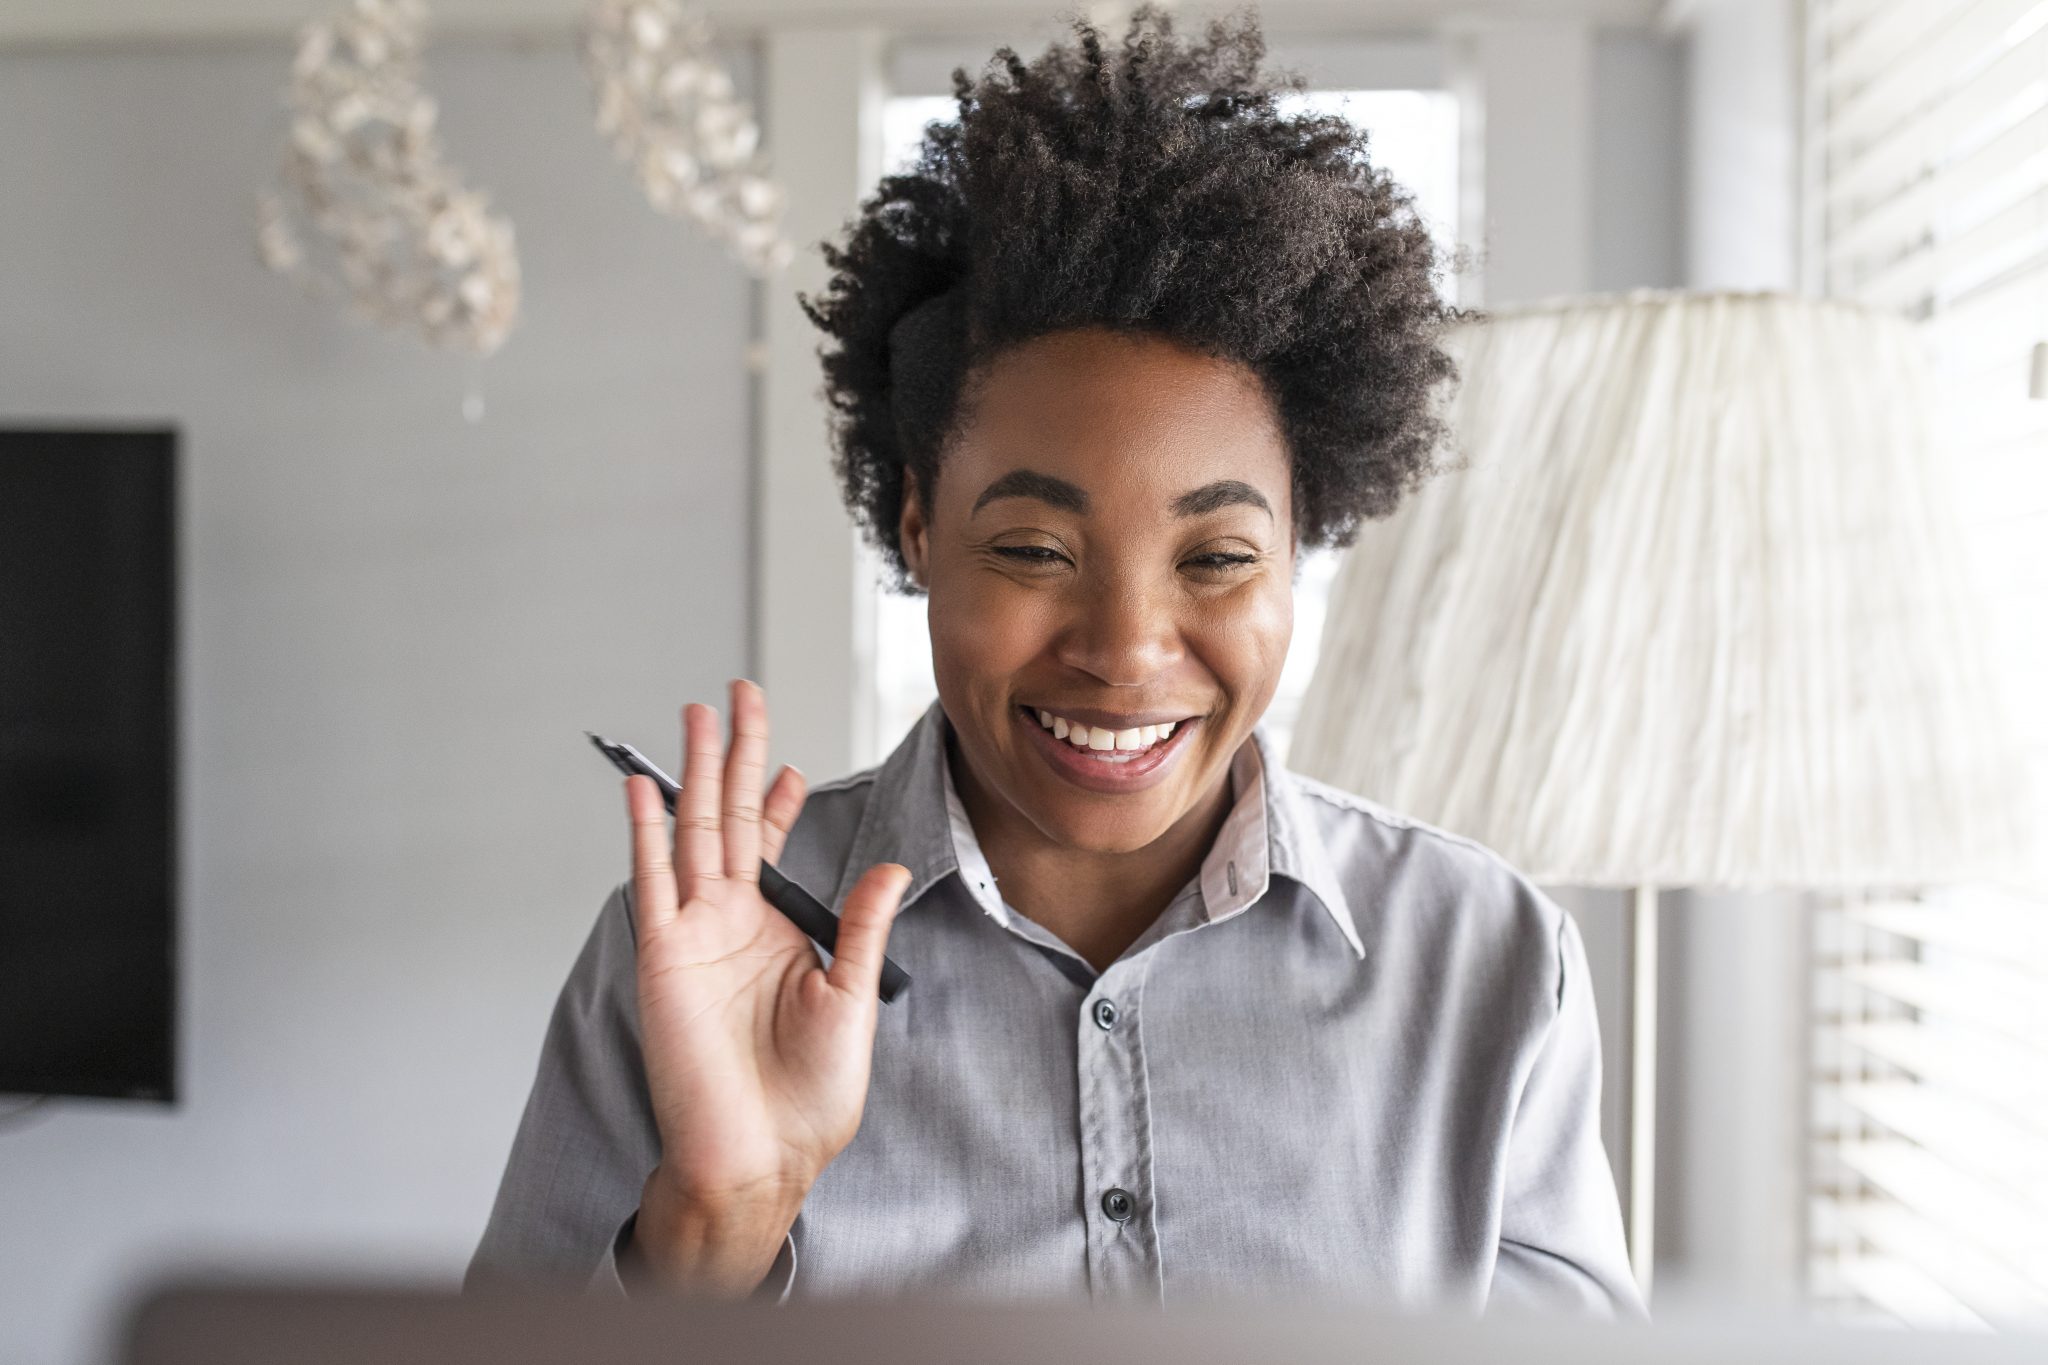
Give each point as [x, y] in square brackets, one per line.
[1101, 739]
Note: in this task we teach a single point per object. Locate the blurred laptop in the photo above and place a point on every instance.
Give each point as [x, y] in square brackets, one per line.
[243, 1324]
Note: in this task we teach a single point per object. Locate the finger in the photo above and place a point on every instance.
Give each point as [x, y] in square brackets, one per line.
[699, 859]
[778, 813]
[654, 880]
[864, 929]
[744, 762]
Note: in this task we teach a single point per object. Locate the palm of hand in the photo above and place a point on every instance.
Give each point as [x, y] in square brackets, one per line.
[757, 1058]
[737, 1022]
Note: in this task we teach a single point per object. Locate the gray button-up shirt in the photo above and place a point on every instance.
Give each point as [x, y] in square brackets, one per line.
[1355, 1058]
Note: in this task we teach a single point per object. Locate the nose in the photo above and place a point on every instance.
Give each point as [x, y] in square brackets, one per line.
[1122, 636]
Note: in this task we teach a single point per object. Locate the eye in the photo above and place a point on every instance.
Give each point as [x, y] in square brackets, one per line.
[1031, 557]
[1219, 561]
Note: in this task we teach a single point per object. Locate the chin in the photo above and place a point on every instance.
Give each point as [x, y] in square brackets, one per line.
[1088, 832]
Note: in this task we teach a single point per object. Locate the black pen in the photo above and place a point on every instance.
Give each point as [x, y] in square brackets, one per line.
[785, 895]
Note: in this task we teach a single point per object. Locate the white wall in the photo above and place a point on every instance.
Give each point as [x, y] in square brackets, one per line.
[1743, 161]
[1575, 137]
[1732, 1102]
[396, 627]
[1638, 230]
[813, 632]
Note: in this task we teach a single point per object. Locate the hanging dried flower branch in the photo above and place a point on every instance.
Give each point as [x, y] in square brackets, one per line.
[669, 111]
[365, 184]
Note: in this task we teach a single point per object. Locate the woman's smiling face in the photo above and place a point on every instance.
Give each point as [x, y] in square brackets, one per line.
[1111, 543]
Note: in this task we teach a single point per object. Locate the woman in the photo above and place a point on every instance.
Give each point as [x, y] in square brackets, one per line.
[1182, 1022]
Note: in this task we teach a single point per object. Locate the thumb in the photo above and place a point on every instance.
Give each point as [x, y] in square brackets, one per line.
[864, 929]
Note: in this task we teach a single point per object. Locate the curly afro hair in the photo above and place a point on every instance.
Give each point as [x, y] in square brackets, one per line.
[1158, 189]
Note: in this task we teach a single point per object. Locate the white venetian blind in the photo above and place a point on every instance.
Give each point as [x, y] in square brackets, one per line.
[1928, 184]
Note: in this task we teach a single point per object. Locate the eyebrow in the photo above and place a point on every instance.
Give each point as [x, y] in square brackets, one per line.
[1029, 483]
[1222, 493]
[1069, 497]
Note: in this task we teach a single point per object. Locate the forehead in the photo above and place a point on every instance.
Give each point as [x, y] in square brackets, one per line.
[1105, 410]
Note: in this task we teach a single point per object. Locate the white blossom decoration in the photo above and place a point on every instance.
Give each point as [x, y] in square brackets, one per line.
[365, 186]
[669, 112]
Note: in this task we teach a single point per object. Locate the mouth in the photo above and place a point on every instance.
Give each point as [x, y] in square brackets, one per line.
[1102, 758]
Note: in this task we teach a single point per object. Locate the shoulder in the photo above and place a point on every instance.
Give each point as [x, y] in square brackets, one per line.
[853, 785]
[1420, 888]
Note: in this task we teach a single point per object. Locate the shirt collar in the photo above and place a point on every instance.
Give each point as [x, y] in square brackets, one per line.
[915, 817]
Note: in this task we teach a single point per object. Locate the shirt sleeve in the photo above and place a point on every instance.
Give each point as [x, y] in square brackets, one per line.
[618, 1269]
[1561, 1242]
[587, 1141]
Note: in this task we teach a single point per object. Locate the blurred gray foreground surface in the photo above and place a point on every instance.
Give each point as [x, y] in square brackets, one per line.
[200, 1323]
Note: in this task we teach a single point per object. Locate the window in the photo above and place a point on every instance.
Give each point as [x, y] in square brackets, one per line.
[1414, 136]
[1927, 174]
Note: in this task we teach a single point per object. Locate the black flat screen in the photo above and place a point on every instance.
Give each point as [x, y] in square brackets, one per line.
[87, 764]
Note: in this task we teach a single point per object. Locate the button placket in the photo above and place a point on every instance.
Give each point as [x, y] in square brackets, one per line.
[1116, 1138]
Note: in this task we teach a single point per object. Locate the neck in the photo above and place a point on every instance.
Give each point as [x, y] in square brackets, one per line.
[1097, 903]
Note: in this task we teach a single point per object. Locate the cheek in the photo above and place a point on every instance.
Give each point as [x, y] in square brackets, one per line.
[1243, 640]
[978, 642]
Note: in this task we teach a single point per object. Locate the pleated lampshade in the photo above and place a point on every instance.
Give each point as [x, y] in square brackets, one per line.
[1695, 610]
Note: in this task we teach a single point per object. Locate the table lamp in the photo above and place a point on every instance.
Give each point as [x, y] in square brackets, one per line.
[1692, 609]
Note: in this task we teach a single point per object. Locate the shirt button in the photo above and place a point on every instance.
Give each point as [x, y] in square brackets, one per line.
[1105, 1014]
[1118, 1204]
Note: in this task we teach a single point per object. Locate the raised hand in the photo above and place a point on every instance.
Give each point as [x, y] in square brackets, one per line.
[757, 1058]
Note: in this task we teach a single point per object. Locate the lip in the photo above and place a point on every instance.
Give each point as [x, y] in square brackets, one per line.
[1091, 774]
